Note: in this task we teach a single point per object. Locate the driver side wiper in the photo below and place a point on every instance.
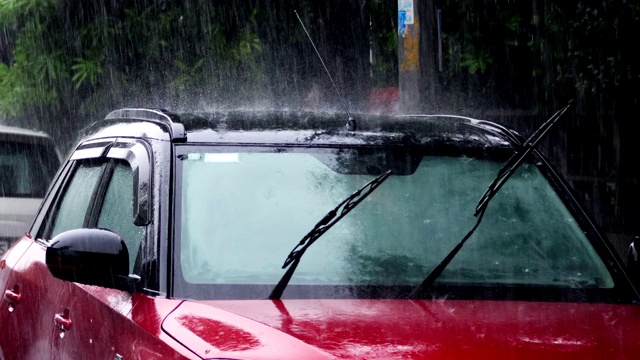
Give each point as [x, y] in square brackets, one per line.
[503, 175]
[330, 219]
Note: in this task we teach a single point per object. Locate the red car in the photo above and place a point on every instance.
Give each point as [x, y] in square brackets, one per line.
[171, 237]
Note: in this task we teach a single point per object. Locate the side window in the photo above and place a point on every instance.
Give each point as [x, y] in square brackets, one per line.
[77, 198]
[116, 213]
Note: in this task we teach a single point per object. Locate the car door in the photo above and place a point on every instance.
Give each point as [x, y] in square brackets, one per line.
[32, 294]
[97, 322]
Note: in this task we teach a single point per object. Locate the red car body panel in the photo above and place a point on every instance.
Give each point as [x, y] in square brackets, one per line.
[28, 324]
[215, 333]
[11, 257]
[104, 322]
[438, 329]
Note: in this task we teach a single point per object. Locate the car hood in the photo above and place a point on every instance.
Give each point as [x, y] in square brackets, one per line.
[438, 329]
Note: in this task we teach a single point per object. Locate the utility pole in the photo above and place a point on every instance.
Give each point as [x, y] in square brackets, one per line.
[408, 56]
[417, 49]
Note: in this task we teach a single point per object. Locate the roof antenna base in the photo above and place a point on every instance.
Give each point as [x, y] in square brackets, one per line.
[351, 124]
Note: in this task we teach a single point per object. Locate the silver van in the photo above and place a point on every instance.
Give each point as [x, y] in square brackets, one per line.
[28, 162]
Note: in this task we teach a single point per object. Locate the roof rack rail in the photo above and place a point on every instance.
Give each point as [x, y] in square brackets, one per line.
[158, 116]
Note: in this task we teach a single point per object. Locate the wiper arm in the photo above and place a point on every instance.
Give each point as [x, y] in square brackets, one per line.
[503, 175]
[330, 219]
[517, 158]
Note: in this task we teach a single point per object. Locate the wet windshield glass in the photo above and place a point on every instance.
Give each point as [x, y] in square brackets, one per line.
[242, 213]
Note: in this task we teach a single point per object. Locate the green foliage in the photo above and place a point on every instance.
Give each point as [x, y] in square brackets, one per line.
[187, 74]
[512, 22]
[169, 46]
[526, 53]
[61, 54]
[476, 60]
[84, 69]
[16, 11]
[36, 68]
[246, 46]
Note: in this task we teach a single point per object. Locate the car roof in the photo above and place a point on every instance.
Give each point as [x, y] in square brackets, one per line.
[301, 128]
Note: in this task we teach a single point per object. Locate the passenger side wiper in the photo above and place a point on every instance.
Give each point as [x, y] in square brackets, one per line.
[503, 175]
[517, 158]
[330, 219]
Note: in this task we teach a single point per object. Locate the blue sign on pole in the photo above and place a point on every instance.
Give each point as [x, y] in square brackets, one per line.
[402, 19]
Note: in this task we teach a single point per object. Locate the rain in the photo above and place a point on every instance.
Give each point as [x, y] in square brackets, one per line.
[66, 64]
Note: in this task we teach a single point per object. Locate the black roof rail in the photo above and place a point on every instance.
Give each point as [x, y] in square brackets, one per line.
[159, 116]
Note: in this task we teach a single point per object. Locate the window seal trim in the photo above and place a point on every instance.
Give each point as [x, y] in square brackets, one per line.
[91, 217]
[41, 221]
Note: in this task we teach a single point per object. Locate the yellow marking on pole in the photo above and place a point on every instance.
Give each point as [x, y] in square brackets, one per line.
[411, 47]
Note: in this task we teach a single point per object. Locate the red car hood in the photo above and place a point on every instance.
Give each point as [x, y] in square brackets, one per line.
[440, 329]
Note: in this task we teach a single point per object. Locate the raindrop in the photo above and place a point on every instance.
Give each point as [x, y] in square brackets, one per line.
[61, 334]
[10, 308]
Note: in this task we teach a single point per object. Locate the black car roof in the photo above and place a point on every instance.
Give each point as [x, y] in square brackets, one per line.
[301, 128]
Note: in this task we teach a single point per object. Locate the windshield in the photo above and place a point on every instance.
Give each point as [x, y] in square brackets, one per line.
[26, 168]
[242, 211]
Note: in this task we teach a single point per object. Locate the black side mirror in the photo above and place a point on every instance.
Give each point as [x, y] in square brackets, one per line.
[90, 256]
[633, 260]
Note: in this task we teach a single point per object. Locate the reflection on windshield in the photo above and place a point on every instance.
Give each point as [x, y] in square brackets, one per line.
[242, 213]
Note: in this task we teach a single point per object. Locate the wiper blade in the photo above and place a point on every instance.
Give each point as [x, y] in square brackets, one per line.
[503, 175]
[517, 158]
[330, 219]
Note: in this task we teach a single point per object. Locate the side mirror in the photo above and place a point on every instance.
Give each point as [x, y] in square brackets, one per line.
[90, 256]
[633, 260]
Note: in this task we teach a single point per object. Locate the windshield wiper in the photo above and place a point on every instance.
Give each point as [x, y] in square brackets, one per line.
[503, 175]
[330, 219]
